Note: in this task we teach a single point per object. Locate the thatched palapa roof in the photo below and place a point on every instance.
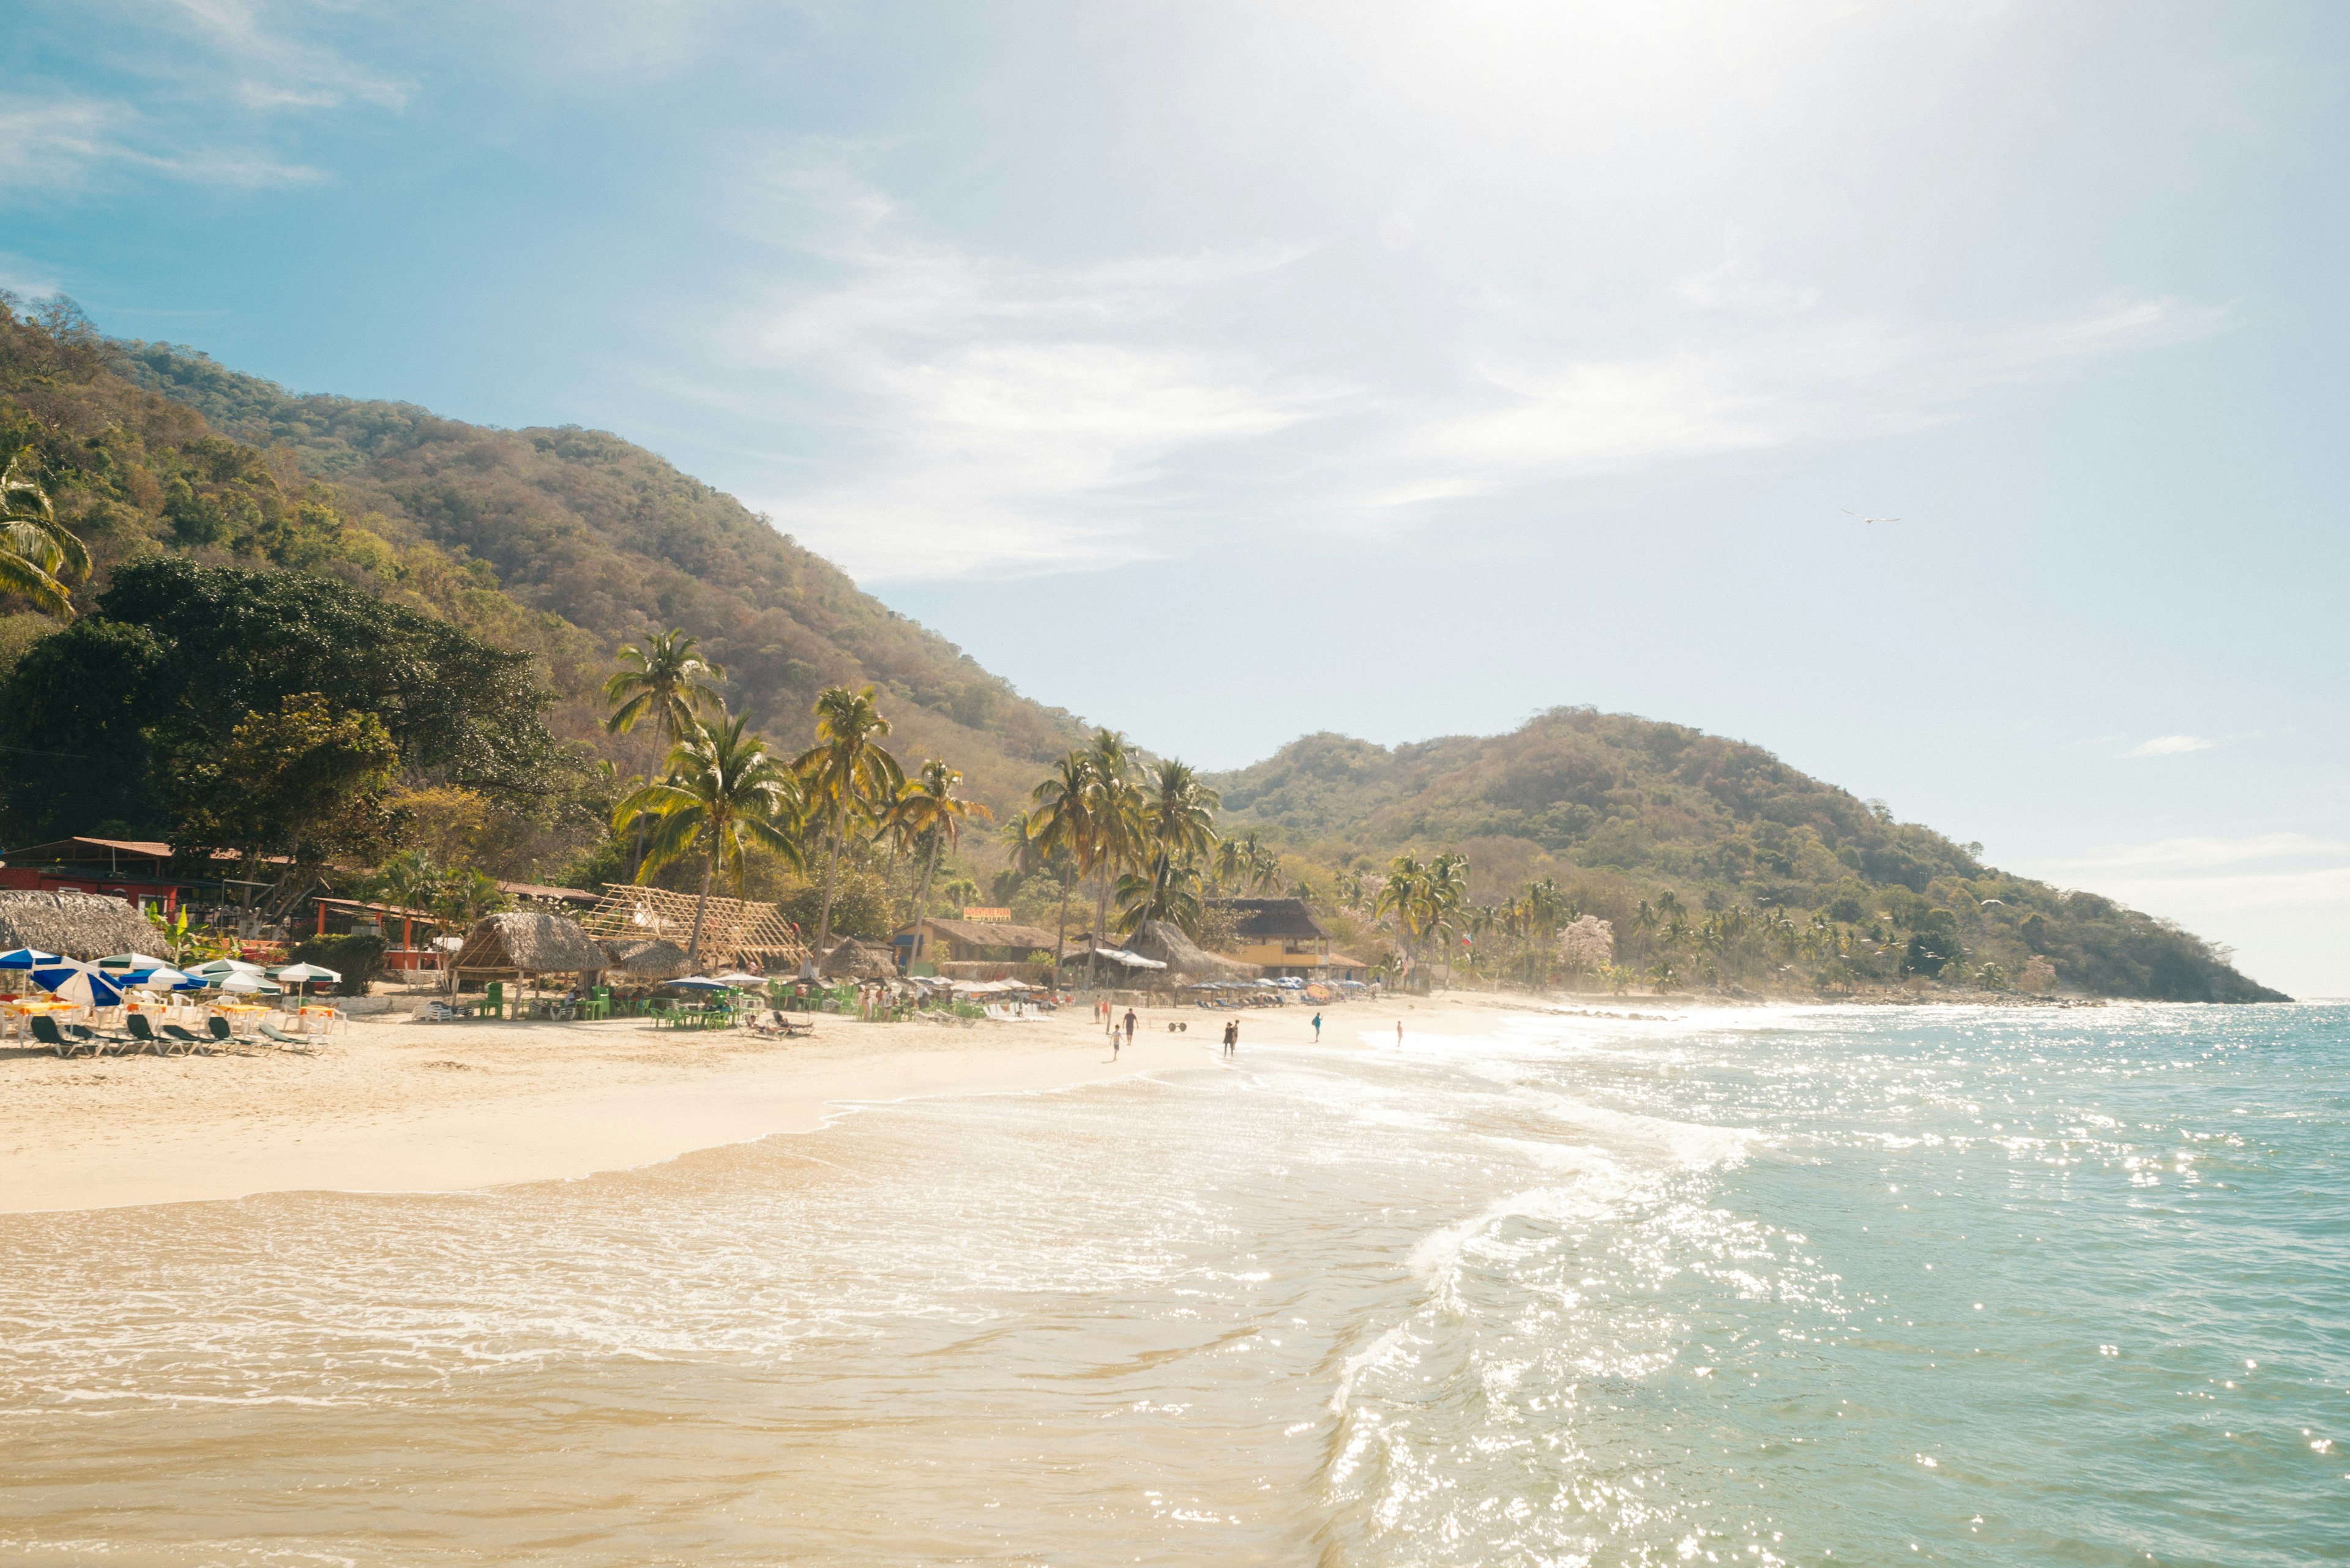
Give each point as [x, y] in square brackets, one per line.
[853, 960]
[529, 942]
[647, 960]
[1164, 941]
[77, 925]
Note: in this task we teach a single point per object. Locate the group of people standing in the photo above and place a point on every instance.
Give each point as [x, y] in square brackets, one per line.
[1121, 1030]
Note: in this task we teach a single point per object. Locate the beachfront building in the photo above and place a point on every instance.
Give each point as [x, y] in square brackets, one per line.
[1281, 937]
[939, 942]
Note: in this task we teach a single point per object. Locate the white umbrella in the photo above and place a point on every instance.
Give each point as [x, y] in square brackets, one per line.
[739, 978]
[699, 982]
[306, 972]
[157, 980]
[228, 966]
[242, 985]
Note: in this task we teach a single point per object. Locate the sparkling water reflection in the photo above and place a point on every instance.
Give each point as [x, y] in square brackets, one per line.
[1818, 1286]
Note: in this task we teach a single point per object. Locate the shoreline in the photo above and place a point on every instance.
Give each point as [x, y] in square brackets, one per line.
[396, 1105]
[389, 1105]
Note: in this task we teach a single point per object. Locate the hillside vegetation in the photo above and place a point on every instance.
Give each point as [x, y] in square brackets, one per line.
[564, 542]
[1712, 861]
[1626, 812]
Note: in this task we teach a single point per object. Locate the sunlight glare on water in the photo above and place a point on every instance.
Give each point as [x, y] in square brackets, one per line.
[1819, 1285]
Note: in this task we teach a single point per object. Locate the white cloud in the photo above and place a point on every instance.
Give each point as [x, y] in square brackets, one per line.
[1004, 415]
[2169, 746]
[1015, 416]
[265, 66]
[60, 143]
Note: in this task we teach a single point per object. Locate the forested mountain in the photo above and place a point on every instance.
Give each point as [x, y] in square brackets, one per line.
[565, 542]
[562, 544]
[1622, 811]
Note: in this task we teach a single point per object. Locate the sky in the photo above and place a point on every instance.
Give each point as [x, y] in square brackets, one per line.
[1946, 396]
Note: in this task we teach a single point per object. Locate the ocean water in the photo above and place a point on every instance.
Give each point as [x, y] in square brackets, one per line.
[1817, 1286]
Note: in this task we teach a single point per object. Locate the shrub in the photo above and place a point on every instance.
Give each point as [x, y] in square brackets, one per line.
[357, 958]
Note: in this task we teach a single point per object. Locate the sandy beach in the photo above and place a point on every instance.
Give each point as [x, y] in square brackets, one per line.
[405, 1106]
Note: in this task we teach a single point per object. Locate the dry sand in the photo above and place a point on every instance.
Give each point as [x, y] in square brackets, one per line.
[409, 1106]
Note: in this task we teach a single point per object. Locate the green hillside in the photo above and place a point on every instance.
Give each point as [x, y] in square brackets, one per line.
[1622, 811]
[596, 536]
[562, 544]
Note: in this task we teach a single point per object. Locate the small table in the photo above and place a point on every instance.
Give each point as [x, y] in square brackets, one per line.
[241, 1013]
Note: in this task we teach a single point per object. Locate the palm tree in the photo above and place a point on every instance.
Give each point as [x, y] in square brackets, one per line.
[1175, 824]
[1117, 823]
[723, 793]
[1405, 897]
[411, 880]
[38, 555]
[668, 681]
[847, 777]
[927, 807]
[1447, 889]
[1062, 827]
[1232, 865]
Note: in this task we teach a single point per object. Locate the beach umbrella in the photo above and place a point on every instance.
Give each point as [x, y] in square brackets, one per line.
[242, 984]
[739, 978]
[26, 958]
[70, 980]
[700, 983]
[228, 966]
[161, 979]
[303, 973]
[133, 961]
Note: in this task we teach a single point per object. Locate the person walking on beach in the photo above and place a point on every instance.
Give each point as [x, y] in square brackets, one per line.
[1232, 1036]
[1398, 1034]
[1130, 1026]
[1318, 1029]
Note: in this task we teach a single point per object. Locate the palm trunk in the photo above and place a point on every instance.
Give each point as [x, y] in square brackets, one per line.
[709, 869]
[1101, 919]
[831, 881]
[922, 907]
[1061, 934]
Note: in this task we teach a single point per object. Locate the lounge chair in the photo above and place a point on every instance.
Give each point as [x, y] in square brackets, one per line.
[186, 1039]
[100, 1041]
[45, 1030]
[220, 1028]
[144, 1033]
[285, 1041]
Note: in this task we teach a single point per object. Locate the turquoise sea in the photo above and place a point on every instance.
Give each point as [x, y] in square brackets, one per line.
[1864, 1285]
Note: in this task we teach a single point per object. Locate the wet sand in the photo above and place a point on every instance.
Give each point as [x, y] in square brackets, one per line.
[404, 1106]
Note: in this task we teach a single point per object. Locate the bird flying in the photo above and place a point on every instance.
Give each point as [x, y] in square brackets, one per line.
[1849, 512]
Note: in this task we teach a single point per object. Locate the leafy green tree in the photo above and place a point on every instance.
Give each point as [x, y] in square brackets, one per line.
[303, 781]
[38, 555]
[723, 792]
[846, 779]
[143, 695]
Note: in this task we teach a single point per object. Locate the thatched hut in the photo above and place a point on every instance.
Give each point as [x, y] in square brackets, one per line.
[646, 959]
[77, 925]
[525, 944]
[853, 960]
[1185, 958]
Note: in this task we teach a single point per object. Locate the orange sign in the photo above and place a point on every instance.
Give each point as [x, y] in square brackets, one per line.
[971, 912]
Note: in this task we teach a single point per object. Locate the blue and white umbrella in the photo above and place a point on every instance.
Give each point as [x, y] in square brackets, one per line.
[70, 980]
[700, 983]
[26, 958]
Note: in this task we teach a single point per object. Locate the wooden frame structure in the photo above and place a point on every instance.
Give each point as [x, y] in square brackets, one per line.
[732, 930]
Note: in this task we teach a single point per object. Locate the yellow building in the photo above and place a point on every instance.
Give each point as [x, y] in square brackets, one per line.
[1282, 936]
